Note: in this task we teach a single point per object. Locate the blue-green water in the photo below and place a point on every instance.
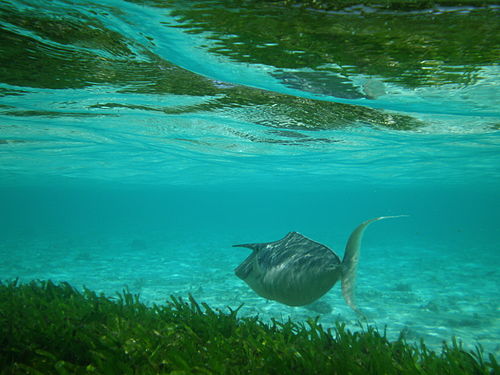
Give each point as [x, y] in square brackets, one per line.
[136, 148]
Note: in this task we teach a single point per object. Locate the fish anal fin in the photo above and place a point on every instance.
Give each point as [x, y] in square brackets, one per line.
[348, 286]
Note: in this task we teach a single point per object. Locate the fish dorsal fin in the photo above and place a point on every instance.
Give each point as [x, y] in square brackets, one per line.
[289, 238]
[299, 240]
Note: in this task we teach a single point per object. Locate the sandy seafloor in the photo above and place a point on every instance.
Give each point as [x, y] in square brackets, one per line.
[446, 297]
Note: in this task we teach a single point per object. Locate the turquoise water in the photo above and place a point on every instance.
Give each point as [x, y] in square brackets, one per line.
[137, 146]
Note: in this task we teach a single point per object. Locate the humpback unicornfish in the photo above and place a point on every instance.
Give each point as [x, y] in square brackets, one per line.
[297, 271]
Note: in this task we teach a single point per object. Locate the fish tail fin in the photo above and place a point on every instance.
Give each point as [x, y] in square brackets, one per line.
[351, 260]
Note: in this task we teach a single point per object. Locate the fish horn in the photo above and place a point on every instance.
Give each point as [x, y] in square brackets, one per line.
[351, 259]
[253, 246]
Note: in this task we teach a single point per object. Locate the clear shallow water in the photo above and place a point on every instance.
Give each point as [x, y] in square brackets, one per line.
[137, 145]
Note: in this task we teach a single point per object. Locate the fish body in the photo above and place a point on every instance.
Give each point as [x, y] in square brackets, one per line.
[297, 271]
